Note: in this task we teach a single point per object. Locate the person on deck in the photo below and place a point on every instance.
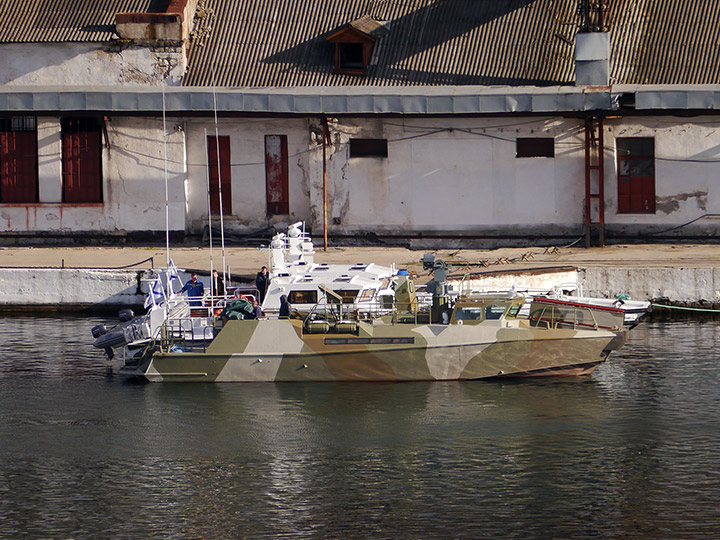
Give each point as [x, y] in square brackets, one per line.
[262, 281]
[217, 286]
[285, 308]
[195, 289]
[257, 310]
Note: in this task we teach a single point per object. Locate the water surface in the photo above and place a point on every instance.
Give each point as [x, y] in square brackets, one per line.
[630, 452]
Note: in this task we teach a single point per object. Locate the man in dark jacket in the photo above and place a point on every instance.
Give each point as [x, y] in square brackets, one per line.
[262, 281]
[217, 286]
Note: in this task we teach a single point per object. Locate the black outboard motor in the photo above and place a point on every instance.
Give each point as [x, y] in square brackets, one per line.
[99, 330]
[126, 315]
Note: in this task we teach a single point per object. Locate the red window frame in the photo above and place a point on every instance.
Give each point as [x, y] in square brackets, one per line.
[636, 175]
[81, 160]
[276, 175]
[225, 174]
[18, 160]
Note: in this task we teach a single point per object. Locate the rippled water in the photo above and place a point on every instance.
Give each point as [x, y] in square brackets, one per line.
[631, 452]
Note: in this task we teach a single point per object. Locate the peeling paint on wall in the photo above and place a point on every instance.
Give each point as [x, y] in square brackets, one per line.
[671, 203]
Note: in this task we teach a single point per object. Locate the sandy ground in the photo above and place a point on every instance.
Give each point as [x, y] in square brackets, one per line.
[246, 261]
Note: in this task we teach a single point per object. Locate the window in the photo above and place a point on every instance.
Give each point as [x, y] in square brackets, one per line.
[368, 148]
[81, 160]
[18, 160]
[302, 297]
[350, 57]
[347, 295]
[276, 175]
[535, 147]
[636, 175]
[354, 43]
[225, 174]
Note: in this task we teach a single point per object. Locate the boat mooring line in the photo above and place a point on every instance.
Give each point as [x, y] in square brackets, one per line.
[686, 308]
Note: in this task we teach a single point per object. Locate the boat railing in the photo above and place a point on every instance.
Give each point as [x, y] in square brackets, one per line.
[332, 315]
[185, 333]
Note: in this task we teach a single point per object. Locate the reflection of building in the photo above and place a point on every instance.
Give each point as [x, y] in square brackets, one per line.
[432, 120]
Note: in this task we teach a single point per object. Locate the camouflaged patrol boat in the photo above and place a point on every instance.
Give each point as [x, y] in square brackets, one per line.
[480, 336]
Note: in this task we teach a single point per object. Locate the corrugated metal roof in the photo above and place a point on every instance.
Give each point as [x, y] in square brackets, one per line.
[428, 42]
[268, 43]
[52, 21]
[281, 43]
[665, 41]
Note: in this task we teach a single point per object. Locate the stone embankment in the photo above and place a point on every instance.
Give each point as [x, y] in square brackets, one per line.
[102, 277]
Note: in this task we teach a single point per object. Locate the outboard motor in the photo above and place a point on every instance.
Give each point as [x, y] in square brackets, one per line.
[99, 330]
[126, 315]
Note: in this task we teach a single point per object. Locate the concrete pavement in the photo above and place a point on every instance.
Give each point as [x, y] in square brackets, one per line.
[246, 261]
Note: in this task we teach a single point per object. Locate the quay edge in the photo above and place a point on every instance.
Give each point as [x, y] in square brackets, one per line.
[82, 289]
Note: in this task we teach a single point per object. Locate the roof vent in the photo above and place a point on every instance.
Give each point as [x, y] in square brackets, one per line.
[592, 59]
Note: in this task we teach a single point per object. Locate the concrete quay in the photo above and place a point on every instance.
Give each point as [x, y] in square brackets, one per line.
[67, 278]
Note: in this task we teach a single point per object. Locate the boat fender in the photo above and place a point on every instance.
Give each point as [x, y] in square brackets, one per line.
[126, 315]
[99, 330]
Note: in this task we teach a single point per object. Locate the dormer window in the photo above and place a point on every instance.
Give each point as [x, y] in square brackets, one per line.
[354, 44]
[350, 57]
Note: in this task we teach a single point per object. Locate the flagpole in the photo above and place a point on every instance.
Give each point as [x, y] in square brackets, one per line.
[220, 197]
[209, 202]
[167, 202]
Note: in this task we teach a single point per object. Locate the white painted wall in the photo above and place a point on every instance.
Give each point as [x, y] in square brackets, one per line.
[133, 184]
[247, 153]
[687, 169]
[89, 64]
[457, 175]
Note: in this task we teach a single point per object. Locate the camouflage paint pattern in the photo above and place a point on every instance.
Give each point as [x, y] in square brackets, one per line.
[279, 351]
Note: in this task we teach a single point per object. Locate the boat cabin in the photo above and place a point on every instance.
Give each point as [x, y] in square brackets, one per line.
[475, 309]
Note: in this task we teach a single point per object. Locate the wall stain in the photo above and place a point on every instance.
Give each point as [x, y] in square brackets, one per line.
[672, 203]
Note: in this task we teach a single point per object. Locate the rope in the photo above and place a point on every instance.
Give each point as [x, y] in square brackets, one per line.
[686, 308]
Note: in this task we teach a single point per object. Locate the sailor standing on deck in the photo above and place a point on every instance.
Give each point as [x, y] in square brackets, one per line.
[217, 285]
[194, 289]
[262, 281]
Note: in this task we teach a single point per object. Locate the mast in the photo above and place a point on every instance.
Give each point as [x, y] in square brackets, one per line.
[167, 203]
[209, 206]
[220, 199]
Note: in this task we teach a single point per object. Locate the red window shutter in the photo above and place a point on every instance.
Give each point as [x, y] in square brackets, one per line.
[18, 167]
[276, 175]
[82, 159]
[636, 175]
[225, 175]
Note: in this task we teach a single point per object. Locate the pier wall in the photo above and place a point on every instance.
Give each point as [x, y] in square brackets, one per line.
[67, 289]
[681, 286]
[677, 285]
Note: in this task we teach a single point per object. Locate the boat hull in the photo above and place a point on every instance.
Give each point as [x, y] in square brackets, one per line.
[277, 351]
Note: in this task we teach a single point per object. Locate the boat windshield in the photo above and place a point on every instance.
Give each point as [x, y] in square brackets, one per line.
[483, 311]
